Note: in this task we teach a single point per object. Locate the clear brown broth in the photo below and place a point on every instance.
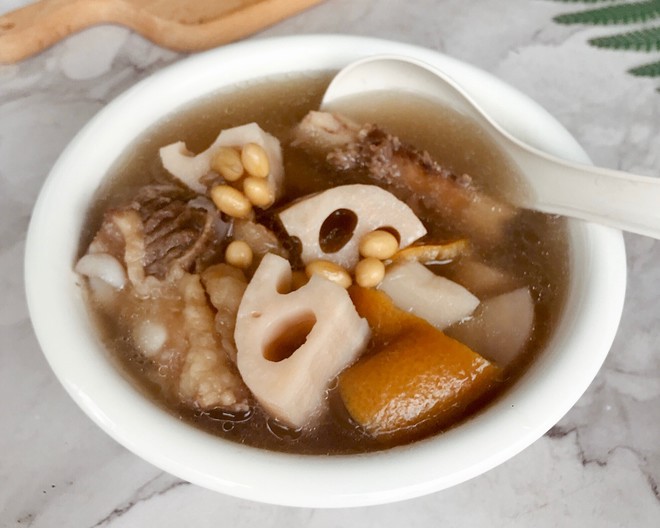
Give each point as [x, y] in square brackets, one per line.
[535, 249]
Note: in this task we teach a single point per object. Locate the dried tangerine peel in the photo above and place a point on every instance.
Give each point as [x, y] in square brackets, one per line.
[417, 376]
[385, 319]
[432, 252]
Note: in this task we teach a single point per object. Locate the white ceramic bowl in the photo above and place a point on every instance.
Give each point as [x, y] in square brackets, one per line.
[540, 398]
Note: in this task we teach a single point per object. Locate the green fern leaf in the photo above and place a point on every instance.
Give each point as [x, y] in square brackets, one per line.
[615, 14]
[646, 70]
[641, 40]
[583, 1]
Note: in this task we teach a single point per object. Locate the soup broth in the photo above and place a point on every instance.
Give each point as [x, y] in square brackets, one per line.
[533, 251]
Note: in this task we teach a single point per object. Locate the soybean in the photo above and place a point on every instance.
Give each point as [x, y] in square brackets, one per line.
[329, 270]
[227, 162]
[239, 254]
[231, 201]
[378, 244]
[255, 160]
[258, 191]
[369, 272]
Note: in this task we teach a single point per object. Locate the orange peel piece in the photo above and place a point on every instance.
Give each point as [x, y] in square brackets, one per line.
[416, 377]
[427, 253]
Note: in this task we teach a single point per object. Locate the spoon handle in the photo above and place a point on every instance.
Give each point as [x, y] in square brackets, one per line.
[549, 184]
[618, 199]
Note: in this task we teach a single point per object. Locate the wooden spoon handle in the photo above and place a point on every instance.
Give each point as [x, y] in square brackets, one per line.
[33, 28]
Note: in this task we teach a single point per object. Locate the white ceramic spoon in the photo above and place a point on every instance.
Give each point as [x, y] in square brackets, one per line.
[614, 198]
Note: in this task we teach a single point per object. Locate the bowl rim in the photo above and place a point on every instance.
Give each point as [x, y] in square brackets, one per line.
[80, 362]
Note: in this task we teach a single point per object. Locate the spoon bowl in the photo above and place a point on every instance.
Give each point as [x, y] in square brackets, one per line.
[618, 199]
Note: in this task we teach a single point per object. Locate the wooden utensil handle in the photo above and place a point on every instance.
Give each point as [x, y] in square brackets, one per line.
[35, 27]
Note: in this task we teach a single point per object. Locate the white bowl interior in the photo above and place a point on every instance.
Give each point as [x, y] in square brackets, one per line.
[540, 398]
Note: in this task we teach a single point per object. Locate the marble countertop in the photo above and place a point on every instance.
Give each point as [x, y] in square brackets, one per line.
[600, 466]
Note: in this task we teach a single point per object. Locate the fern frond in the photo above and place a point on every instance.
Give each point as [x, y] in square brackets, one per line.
[615, 14]
[646, 70]
[583, 1]
[641, 40]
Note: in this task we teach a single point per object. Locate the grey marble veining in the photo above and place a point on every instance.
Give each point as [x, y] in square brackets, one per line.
[600, 466]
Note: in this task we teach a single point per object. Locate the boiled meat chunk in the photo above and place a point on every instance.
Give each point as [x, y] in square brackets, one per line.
[164, 227]
[207, 379]
[225, 285]
[291, 345]
[135, 272]
[260, 239]
[412, 175]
